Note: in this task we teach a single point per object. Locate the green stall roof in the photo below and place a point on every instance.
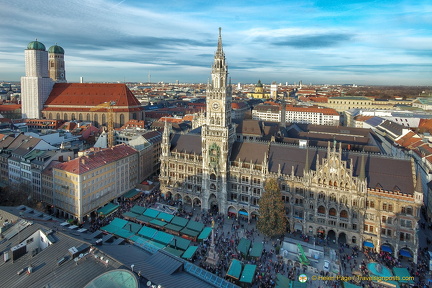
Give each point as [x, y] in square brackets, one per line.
[131, 193]
[350, 285]
[120, 223]
[402, 273]
[257, 249]
[158, 223]
[138, 209]
[110, 228]
[165, 217]
[173, 251]
[196, 226]
[134, 238]
[244, 246]
[163, 237]
[188, 254]
[151, 213]
[248, 273]
[132, 227]
[147, 232]
[282, 281]
[144, 219]
[180, 243]
[173, 227]
[205, 233]
[131, 214]
[107, 209]
[235, 269]
[123, 233]
[189, 232]
[179, 221]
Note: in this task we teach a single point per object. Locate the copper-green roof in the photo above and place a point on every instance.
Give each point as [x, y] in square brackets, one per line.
[36, 45]
[56, 49]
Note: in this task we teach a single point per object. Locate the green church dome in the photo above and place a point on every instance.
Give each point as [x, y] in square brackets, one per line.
[259, 84]
[36, 45]
[56, 49]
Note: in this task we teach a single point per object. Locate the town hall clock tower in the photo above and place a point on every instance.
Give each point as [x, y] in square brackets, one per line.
[218, 135]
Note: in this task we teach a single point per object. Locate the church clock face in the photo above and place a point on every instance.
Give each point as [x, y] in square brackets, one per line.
[215, 106]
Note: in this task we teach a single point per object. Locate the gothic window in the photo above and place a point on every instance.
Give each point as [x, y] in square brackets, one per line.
[321, 196]
[344, 200]
[211, 120]
[335, 184]
[321, 210]
[212, 177]
[332, 212]
[333, 198]
[344, 214]
[213, 186]
[330, 183]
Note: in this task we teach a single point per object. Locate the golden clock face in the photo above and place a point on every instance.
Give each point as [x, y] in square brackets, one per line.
[215, 106]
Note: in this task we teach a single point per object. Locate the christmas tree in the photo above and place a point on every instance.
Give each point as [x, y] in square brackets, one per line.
[272, 220]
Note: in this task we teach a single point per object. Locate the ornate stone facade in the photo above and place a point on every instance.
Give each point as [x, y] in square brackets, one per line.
[328, 193]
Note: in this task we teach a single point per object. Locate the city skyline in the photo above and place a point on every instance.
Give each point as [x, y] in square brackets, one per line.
[320, 42]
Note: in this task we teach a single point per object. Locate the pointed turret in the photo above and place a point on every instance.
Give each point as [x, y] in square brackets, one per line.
[306, 166]
[362, 172]
[418, 186]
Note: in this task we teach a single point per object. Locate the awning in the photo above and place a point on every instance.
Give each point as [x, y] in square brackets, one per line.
[405, 253]
[243, 213]
[131, 193]
[248, 273]
[205, 233]
[235, 269]
[386, 248]
[368, 244]
[108, 209]
[189, 252]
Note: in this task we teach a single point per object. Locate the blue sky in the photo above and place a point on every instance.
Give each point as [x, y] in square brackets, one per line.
[332, 42]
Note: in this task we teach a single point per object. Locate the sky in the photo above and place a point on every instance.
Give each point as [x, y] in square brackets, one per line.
[385, 42]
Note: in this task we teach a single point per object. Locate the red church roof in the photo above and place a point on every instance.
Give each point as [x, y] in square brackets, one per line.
[84, 96]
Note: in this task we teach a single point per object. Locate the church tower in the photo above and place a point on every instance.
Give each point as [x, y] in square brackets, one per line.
[218, 135]
[36, 84]
[56, 64]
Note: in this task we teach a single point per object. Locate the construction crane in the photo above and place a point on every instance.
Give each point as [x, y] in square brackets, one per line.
[110, 123]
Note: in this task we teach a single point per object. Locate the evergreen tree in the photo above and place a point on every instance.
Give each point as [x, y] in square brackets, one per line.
[272, 220]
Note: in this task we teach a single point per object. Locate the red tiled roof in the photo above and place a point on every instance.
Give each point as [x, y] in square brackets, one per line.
[98, 158]
[9, 107]
[84, 96]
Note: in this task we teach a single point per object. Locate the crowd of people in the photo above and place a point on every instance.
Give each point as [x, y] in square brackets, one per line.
[229, 230]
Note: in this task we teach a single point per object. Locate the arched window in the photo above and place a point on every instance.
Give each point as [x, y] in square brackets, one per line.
[321, 196]
[343, 214]
[73, 116]
[134, 116]
[58, 116]
[122, 120]
[65, 117]
[88, 117]
[103, 119]
[50, 116]
[332, 212]
[80, 117]
[344, 200]
[321, 209]
[212, 177]
[95, 119]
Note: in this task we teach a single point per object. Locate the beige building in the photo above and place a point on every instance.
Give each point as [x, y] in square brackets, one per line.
[327, 192]
[86, 183]
[344, 103]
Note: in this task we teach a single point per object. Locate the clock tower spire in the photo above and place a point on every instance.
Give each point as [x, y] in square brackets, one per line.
[218, 134]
